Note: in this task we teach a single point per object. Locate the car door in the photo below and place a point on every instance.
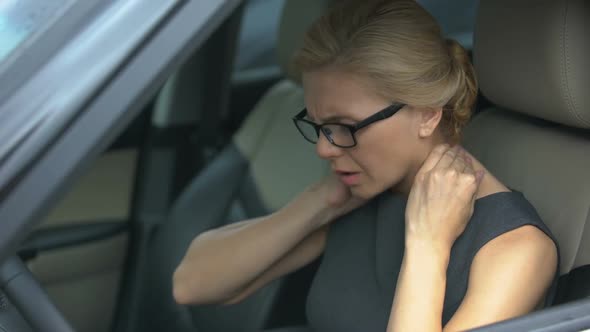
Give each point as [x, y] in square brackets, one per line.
[79, 251]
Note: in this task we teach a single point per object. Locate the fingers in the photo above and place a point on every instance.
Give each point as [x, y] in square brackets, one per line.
[443, 157]
[469, 168]
[462, 166]
[434, 157]
[471, 177]
[479, 175]
[462, 162]
[448, 158]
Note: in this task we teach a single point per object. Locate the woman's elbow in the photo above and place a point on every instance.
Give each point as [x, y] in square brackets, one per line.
[188, 287]
[181, 288]
[185, 278]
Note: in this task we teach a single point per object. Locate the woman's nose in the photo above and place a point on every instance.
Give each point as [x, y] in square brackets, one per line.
[325, 149]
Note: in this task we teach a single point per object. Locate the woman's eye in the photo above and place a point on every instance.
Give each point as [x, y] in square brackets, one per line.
[342, 129]
[346, 123]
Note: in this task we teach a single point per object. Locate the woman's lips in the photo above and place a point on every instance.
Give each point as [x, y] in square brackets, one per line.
[349, 178]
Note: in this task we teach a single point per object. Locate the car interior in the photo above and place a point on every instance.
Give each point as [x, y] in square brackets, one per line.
[216, 145]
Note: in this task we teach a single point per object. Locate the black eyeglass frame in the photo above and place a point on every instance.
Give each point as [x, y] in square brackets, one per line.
[385, 113]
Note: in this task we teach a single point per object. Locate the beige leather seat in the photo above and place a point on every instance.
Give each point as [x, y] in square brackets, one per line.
[531, 58]
[268, 133]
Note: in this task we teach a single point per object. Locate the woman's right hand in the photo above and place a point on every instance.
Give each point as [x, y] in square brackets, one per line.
[335, 197]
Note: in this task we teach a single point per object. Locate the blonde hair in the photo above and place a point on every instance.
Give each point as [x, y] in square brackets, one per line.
[399, 47]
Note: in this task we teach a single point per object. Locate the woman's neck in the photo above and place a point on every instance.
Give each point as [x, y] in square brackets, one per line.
[405, 185]
[489, 184]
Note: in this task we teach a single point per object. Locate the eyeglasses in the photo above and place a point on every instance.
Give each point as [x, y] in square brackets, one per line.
[339, 134]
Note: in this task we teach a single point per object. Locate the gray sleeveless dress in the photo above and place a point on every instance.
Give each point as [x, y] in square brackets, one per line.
[354, 286]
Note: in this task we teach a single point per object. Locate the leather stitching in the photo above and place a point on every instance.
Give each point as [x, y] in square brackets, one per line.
[570, 97]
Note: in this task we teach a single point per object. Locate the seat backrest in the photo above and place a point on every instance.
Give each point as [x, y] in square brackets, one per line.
[265, 165]
[531, 58]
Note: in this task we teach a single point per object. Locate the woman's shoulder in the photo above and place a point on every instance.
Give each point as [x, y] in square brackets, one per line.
[505, 207]
[518, 239]
[509, 218]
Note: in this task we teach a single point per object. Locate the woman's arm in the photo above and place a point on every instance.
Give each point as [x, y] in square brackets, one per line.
[227, 264]
[439, 205]
[508, 276]
[220, 263]
[420, 290]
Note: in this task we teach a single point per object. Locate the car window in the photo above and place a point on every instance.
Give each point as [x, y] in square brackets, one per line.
[258, 34]
[21, 19]
[456, 18]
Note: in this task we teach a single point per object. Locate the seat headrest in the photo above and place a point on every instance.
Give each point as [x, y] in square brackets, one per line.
[532, 56]
[297, 17]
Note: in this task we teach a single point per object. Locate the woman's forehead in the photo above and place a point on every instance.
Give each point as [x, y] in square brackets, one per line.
[328, 82]
[331, 94]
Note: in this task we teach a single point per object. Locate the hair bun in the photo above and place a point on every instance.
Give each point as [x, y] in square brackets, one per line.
[461, 104]
[457, 51]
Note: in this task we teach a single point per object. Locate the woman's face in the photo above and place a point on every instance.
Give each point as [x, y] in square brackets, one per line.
[388, 152]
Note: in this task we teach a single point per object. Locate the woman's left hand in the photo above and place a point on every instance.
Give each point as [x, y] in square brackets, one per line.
[442, 197]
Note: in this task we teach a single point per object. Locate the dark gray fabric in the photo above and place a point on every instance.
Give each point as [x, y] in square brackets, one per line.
[291, 329]
[573, 286]
[354, 287]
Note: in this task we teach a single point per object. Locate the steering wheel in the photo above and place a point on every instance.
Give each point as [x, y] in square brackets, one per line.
[31, 303]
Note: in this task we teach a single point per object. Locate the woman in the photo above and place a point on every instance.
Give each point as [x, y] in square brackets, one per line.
[386, 97]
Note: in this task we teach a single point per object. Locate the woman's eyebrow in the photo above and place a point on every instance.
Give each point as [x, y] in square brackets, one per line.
[332, 118]
[337, 118]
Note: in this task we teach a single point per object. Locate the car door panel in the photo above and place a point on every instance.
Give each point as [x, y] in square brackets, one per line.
[79, 251]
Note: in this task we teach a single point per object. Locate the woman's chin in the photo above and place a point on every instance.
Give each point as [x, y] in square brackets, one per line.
[363, 192]
[367, 191]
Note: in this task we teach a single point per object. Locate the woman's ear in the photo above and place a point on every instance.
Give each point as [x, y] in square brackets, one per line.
[429, 120]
